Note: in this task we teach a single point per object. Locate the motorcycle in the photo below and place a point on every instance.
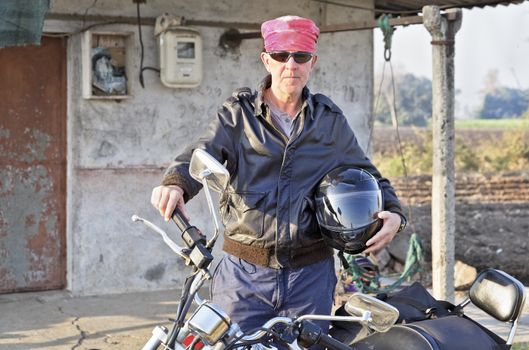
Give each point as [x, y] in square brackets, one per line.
[373, 321]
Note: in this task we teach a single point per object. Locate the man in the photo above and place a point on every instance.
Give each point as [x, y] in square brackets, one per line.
[277, 143]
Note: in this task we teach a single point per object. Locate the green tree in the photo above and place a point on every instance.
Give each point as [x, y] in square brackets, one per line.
[504, 102]
[413, 101]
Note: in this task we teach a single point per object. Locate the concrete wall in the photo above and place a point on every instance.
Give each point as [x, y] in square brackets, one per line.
[117, 150]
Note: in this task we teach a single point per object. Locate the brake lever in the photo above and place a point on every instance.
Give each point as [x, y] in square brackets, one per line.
[174, 247]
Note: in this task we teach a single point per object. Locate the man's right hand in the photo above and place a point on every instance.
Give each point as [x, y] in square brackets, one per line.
[166, 199]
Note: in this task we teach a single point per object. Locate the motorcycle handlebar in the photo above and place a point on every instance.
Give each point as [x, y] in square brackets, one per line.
[328, 342]
[311, 334]
[174, 247]
[190, 234]
[180, 220]
[198, 255]
[269, 324]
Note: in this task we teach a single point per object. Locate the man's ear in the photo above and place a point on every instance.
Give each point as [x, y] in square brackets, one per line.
[313, 63]
[265, 58]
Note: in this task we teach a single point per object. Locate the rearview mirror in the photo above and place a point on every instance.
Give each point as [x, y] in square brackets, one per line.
[383, 315]
[204, 166]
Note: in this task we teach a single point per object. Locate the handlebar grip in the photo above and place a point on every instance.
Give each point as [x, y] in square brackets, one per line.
[311, 334]
[190, 234]
[329, 342]
[180, 220]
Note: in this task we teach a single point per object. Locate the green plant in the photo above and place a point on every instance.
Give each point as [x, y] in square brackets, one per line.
[466, 159]
[417, 156]
[507, 152]
[520, 346]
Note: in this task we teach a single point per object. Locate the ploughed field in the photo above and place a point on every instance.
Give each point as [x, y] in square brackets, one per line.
[492, 210]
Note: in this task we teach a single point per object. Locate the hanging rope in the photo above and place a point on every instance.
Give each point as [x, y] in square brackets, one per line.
[401, 152]
[375, 111]
[387, 30]
[362, 274]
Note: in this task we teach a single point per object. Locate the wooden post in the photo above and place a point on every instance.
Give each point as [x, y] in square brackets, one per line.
[443, 30]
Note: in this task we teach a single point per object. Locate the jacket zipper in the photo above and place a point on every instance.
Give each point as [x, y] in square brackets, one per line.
[289, 142]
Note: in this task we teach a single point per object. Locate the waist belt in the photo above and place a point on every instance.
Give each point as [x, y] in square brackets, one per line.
[299, 257]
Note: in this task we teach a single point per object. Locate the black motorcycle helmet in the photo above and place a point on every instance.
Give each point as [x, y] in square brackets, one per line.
[348, 201]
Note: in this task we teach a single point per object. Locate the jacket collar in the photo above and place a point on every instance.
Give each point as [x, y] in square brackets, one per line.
[266, 83]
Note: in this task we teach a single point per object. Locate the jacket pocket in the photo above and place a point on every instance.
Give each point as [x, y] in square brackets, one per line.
[243, 215]
[307, 224]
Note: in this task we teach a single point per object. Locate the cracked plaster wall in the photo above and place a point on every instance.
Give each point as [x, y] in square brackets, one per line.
[117, 150]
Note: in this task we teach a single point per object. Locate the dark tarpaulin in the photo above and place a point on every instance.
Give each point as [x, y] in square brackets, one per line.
[21, 21]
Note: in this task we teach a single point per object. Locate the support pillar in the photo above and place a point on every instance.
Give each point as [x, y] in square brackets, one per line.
[443, 30]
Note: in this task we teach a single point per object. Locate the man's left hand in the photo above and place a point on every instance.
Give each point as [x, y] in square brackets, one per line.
[383, 237]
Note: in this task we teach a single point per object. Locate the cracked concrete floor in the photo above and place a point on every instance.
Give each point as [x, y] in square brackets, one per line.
[55, 320]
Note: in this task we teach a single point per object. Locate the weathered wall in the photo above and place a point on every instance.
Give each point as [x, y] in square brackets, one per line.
[117, 150]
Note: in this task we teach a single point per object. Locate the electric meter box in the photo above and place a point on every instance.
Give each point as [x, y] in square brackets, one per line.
[180, 51]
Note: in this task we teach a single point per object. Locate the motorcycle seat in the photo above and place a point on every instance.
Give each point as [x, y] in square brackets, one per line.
[499, 295]
[397, 337]
[457, 333]
[447, 333]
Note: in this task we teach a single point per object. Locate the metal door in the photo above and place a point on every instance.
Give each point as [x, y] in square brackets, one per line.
[33, 166]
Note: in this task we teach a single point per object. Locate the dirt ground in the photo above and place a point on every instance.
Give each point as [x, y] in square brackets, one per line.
[493, 234]
[487, 235]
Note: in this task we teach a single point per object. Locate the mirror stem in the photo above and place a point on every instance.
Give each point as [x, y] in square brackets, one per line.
[212, 241]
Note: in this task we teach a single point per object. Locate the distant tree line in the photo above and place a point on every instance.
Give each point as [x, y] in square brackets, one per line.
[504, 102]
[413, 101]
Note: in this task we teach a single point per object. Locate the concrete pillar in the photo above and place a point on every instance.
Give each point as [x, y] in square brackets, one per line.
[443, 30]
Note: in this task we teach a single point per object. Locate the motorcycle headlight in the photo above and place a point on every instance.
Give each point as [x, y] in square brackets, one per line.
[209, 322]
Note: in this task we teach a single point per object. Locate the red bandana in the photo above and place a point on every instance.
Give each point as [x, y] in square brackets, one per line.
[290, 33]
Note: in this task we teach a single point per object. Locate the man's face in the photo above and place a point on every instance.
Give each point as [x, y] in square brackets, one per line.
[288, 78]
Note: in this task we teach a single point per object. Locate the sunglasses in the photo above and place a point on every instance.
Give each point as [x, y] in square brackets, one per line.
[284, 56]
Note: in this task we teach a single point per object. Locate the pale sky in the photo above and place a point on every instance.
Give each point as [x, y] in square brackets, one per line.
[492, 38]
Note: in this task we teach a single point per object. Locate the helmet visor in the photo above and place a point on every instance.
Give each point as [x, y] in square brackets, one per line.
[348, 211]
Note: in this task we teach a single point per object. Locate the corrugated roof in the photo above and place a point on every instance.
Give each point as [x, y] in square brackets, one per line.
[413, 7]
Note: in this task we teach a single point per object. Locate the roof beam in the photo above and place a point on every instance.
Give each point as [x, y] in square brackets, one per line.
[233, 37]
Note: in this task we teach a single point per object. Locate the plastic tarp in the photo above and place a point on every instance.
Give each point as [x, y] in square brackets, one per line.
[21, 21]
